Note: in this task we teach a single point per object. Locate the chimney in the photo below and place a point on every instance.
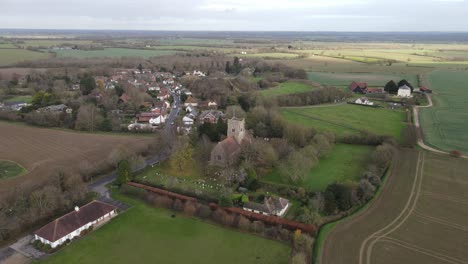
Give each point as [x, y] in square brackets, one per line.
[77, 208]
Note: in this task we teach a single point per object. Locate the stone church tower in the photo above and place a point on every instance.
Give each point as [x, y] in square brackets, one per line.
[236, 129]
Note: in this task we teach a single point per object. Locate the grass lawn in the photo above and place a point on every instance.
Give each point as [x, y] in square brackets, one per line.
[113, 52]
[348, 119]
[345, 163]
[145, 234]
[10, 169]
[445, 124]
[11, 56]
[286, 88]
[21, 98]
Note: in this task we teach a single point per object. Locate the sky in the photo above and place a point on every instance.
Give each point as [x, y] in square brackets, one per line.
[237, 15]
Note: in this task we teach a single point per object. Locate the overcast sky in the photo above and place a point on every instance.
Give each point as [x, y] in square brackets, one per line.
[268, 15]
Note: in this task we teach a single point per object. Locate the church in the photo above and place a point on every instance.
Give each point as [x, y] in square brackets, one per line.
[227, 152]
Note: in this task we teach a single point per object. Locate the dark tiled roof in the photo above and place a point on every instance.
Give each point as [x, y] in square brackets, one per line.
[70, 222]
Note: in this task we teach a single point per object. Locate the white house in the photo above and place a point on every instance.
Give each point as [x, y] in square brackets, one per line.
[363, 101]
[404, 91]
[271, 206]
[157, 121]
[187, 121]
[199, 73]
[72, 224]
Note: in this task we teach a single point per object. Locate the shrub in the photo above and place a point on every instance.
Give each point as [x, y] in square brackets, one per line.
[455, 153]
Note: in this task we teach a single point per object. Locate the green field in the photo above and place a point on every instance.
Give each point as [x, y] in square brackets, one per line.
[11, 56]
[372, 79]
[445, 125]
[54, 42]
[345, 163]
[348, 119]
[145, 234]
[286, 88]
[21, 98]
[113, 53]
[10, 169]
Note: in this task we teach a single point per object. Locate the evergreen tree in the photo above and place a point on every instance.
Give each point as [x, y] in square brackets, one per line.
[87, 84]
[391, 87]
[140, 68]
[405, 82]
[228, 67]
[124, 174]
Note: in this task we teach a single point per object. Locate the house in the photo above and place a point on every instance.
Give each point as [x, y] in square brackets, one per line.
[72, 224]
[124, 98]
[199, 73]
[210, 116]
[157, 121]
[271, 206]
[404, 91]
[163, 94]
[191, 102]
[356, 87]
[363, 101]
[375, 90]
[187, 121]
[227, 151]
[145, 117]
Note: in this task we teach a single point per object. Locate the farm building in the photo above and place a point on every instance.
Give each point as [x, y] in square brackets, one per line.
[72, 224]
[356, 87]
[363, 101]
[270, 206]
[375, 90]
[404, 91]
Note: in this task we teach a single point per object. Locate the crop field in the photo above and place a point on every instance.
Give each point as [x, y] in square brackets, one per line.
[113, 52]
[345, 163]
[345, 119]
[286, 88]
[419, 218]
[273, 55]
[54, 42]
[41, 151]
[145, 234]
[10, 169]
[445, 124]
[11, 56]
[372, 79]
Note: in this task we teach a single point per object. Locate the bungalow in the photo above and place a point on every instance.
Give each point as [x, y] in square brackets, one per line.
[363, 101]
[210, 116]
[187, 121]
[157, 121]
[358, 87]
[72, 224]
[145, 117]
[55, 108]
[404, 91]
[271, 206]
[191, 102]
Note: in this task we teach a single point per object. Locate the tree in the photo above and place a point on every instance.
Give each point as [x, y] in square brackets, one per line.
[89, 118]
[391, 87]
[228, 67]
[236, 66]
[182, 157]
[87, 84]
[140, 68]
[235, 111]
[124, 174]
[365, 190]
[308, 216]
[296, 167]
[405, 82]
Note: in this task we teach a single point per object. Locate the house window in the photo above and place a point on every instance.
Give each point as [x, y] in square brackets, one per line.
[219, 157]
[233, 130]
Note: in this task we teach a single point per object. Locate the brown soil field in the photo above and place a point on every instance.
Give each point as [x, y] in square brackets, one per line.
[41, 151]
[421, 216]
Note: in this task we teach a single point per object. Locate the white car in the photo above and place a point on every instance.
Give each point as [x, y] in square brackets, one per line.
[175, 106]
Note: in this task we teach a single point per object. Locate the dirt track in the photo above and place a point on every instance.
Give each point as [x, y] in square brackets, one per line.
[41, 151]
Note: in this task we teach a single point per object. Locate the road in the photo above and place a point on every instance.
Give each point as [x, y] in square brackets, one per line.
[99, 186]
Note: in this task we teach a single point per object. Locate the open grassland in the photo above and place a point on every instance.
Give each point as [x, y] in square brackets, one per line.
[21, 98]
[348, 119]
[11, 56]
[345, 163]
[419, 218]
[10, 169]
[445, 124]
[114, 53]
[372, 79]
[148, 235]
[41, 151]
[286, 88]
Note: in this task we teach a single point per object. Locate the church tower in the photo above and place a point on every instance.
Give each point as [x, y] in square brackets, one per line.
[236, 129]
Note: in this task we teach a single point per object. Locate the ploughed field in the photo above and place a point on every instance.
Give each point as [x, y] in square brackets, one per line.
[144, 234]
[420, 216]
[41, 151]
